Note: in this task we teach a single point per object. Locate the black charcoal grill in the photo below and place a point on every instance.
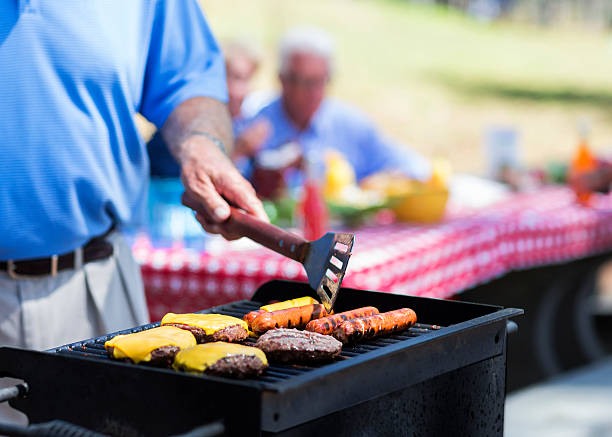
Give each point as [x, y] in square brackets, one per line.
[444, 376]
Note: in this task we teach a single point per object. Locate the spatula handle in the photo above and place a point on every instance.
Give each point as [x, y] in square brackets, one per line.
[270, 236]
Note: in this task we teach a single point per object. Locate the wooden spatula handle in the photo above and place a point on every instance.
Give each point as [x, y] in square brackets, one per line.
[270, 236]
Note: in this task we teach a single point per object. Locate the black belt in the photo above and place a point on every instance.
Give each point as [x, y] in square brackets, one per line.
[96, 249]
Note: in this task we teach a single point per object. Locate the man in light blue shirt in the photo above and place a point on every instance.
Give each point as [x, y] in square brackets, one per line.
[302, 114]
[74, 168]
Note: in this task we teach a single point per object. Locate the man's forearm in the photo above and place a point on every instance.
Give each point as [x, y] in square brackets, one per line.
[210, 179]
[196, 116]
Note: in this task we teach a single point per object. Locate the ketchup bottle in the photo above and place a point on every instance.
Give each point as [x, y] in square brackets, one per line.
[582, 163]
[312, 209]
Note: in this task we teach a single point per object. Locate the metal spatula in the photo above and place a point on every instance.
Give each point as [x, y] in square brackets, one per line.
[325, 259]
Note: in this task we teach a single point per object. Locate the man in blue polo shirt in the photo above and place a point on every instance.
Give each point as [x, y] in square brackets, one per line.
[73, 167]
[304, 115]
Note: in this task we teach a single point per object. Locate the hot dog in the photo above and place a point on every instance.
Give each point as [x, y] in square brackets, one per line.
[376, 325]
[296, 317]
[326, 325]
[300, 301]
[249, 317]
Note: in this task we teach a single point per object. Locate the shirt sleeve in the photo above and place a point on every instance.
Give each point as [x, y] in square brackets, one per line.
[184, 61]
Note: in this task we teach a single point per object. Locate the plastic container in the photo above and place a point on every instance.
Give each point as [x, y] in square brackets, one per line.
[422, 207]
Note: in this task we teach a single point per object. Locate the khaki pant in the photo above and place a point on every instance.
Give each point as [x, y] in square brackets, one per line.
[98, 298]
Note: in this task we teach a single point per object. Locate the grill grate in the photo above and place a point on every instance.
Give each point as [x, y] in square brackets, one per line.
[94, 348]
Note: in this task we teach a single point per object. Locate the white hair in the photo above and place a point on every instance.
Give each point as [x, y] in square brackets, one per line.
[310, 40]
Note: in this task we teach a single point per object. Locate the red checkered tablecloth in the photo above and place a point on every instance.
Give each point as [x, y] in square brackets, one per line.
[466, 249]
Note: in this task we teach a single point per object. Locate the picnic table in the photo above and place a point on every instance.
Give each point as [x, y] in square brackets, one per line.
[468, 248]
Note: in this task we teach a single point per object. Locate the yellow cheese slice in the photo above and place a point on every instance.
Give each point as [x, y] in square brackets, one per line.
[210, 323]
[198, 358]
[291, 303]
[138, 346]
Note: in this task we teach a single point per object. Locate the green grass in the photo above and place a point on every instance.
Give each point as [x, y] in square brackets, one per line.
[434, 78]
[560, 93]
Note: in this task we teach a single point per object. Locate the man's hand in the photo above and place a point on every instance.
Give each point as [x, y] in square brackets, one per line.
[209, 177]
[210, 181]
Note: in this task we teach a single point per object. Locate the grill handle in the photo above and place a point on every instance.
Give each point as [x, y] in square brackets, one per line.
[215, 429]
[511, 327]
[8, 393]
[55, 428]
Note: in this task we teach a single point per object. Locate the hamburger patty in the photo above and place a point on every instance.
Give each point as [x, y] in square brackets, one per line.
[286, 345]
[237, 366]
[160, 357]
[222, 359]
[231, 334]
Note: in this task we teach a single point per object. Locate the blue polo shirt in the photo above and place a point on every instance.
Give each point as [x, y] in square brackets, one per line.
[339, 126]
[73, 74]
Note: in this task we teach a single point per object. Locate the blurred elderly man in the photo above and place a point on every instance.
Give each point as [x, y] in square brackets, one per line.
[304, 115]
[242, 59]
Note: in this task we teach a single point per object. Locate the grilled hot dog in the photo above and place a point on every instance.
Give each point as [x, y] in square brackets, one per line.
[326, 325]
[376, 325]
[298, 302]
[249, 317]
[296, 317]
